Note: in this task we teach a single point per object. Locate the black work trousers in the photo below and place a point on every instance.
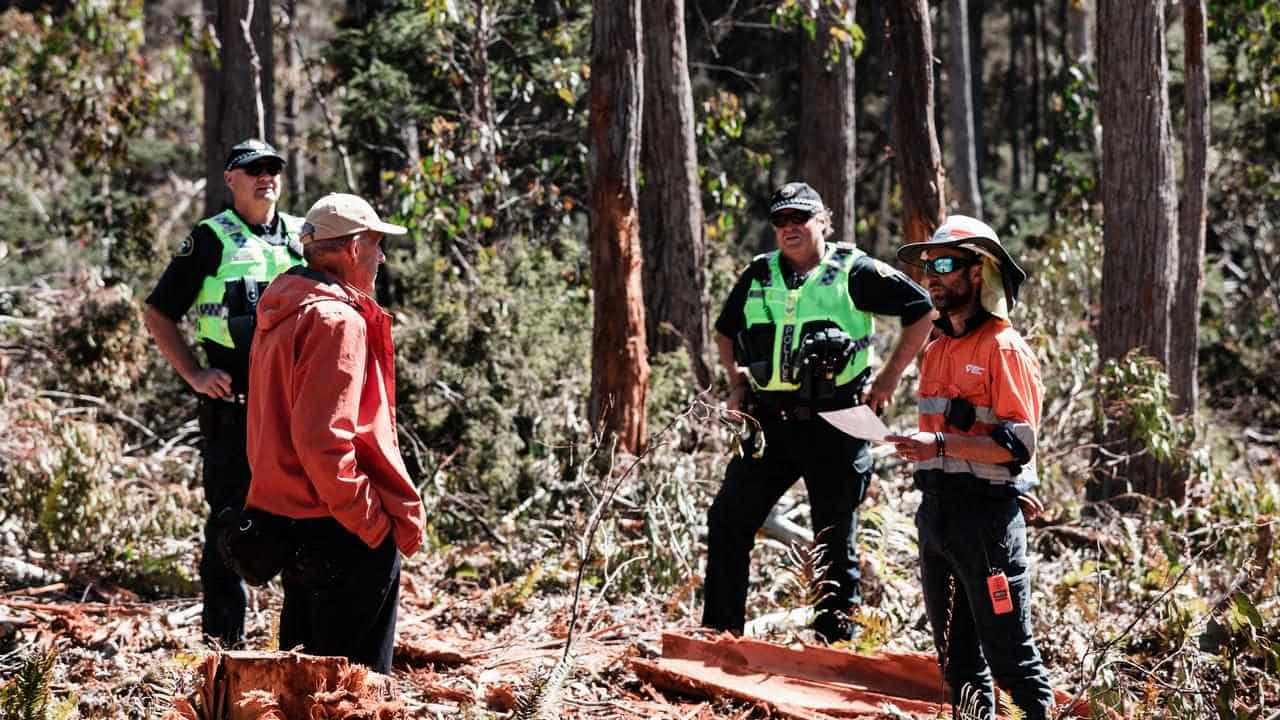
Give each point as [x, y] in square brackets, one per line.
[225, 477]
[836, 469]
[964, 539]
[340, 595]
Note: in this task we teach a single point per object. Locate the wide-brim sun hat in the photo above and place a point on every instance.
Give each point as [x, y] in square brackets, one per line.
[976, 236]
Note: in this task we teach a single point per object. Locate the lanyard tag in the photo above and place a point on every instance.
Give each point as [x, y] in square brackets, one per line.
[998, 589]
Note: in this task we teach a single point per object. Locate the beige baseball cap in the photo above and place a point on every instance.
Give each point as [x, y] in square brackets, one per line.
[341, 214]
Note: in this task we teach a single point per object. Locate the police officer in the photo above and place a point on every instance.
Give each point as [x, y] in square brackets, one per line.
[221, 268]
[794, 338]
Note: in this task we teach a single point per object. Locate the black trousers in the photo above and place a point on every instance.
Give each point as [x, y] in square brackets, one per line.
[340, 595]
[225, 477]
[836, 469]
[965, 538]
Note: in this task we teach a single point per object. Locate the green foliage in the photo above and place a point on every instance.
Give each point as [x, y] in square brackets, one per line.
[1133, 394]
[72, 489]
[77, 79]
[493, 369]
[1240, 359]
[1072, 163]
[1055, 317]
[845, 34]
[1242, 634]
[498, 115]
[76, 93]
[28, 695]
[103, 345]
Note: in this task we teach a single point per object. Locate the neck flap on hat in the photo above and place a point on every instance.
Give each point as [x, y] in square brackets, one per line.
[993, 298]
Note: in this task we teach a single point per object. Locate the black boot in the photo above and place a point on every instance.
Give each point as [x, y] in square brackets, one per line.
[832, 626]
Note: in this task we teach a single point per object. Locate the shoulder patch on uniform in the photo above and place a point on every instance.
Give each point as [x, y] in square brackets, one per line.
[188, 245]
[883, 268]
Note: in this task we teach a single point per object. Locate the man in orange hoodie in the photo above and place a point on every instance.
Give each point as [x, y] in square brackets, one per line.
[322, 438]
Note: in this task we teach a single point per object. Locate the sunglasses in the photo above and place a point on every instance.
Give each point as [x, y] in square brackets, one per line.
[944, 265]
[793, 218]
[262, 168]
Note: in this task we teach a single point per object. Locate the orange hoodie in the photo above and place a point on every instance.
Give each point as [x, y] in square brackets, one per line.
[322, 435]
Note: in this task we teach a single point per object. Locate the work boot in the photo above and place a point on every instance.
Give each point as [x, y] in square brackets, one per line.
[833, 626]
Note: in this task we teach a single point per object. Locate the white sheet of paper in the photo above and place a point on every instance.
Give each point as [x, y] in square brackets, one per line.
[860, 422]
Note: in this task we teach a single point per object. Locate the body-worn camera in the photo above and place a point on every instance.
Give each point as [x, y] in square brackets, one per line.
[240, 297]
[823, 354]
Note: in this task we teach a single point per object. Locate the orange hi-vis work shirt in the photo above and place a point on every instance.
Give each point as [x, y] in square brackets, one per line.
[993, 368]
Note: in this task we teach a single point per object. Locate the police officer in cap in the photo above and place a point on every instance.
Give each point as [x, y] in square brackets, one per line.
[220, 269]
[794, 338]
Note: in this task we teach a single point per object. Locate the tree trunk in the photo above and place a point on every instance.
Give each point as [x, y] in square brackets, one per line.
[915, 142]
[1183, 348]
[295, 178]
[671, 220]
[964, 174]
[1035, 61]
[619, 367]
[1139, 214]
[238, 92]
[1014, 100]
[977, 55]
[1080, 31]
[827, 141]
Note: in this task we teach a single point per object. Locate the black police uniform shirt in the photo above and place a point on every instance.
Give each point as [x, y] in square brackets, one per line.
[198, 257]
[874, 286]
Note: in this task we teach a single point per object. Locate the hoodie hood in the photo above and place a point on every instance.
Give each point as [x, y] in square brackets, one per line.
[299, 288]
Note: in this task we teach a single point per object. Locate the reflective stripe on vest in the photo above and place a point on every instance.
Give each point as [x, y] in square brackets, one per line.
[824, 295]
[933, 412]
[244, 255]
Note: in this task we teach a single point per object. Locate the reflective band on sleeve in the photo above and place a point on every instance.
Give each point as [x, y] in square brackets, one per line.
[938, 406]
[1026, 434]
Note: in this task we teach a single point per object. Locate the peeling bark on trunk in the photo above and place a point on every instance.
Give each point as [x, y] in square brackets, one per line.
[671, 221]
[1140, 218]
[827, 142]
[237, 104]
[619, 362]
[915, 142]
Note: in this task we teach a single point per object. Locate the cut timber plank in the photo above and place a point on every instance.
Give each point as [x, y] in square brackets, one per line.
[801, 681]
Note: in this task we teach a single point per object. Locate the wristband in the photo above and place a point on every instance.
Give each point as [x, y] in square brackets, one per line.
[941, 443]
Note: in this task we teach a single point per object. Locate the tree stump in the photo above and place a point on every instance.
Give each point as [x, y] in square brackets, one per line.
[243, 685]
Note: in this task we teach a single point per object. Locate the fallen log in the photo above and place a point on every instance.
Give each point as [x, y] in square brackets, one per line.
[803, 681]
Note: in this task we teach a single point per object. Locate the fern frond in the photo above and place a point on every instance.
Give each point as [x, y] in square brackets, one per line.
[27, 696]
[1010, 709]
[523, 589]
[806, 570]
[876, 629]
[970, 704]
[539, 699]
